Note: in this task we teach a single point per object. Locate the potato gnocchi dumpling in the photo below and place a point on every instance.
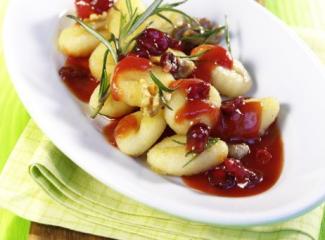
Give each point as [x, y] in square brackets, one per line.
[75, 41]
[270, 111]
[96, 61]
[111, 108]
[130, 84]
[114, 16]
[177, 101]
[232, 82]
[169, 157]
[136, 133]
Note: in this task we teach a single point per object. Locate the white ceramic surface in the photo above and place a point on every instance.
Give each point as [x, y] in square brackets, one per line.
[281, 65]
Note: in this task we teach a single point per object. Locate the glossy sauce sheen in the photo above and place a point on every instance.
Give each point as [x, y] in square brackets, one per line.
[126, 125]
[194, 109]
[240, 125]
[129, 63]
[215, 56]
[77, 77]
[271, 169]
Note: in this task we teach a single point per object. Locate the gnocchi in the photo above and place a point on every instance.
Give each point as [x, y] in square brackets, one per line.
[96, 62]
[129, 84]
[111, 108]
[177, 101]
[169, 157]
[136, 133]
[75, 41]
[232, 82]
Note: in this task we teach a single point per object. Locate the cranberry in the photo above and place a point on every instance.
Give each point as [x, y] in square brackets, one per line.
[87, 7]
[154, 41]
[233, 173]
[199, 90]
[73, 73]
[169, 62]
[218, 177]
[140, 52]
[230, 106]
[175, 44]
[198, 137]
[263, 155]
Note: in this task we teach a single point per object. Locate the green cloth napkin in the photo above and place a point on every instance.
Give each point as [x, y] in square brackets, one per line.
[122, 218]
[70, 198]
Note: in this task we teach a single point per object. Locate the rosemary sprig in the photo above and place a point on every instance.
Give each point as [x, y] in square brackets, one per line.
[159, 84]
[194, 57]
[205, 34]
[103, 87]
[210, 143]
[97, 35]
[227, 35]
[178, 142]
[166, 19]
[136, 23]
[161, 89]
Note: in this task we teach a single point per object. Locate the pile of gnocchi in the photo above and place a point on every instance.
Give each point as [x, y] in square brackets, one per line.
[171, 85]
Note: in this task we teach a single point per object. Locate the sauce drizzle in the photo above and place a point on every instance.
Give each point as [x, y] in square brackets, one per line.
[215, 56]
[129, 63]
[77, 77]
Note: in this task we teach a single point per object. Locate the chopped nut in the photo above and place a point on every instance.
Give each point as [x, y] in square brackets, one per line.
[238, 151]
[185, 68]
[150, 101]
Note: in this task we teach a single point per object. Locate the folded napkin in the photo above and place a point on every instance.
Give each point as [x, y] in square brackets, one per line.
[58, 192]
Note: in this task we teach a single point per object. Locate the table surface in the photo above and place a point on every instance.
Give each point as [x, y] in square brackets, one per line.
[44, 232]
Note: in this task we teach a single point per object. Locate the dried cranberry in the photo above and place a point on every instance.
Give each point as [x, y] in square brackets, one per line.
[154, 41]
[218, 177]
[199, 90]
[87, 7]
[263, 155]
[73, 73]
[232, 105]
[233, 173]
[140, 52]
[169, 62]
[197, 137]
[175, 44]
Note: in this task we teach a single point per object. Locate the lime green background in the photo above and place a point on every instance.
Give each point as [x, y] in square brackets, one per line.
[13, 116]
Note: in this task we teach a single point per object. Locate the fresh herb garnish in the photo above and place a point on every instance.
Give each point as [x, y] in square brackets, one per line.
[227, 35]
[205, 34]
[178, 142]
[103, 87]
[97, 35]
[194, 57]
[210, 143]
[161, 89]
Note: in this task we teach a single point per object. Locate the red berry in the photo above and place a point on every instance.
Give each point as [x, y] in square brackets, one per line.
[169, 62]
[263, 155]
[197, 137]
[233, 173]
[154, 41]
[230, 106]
[175, 44]
[87, 7]
[218, 177]
[198, 90]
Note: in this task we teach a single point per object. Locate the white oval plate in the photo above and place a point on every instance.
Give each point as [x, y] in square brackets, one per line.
[280, 64]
